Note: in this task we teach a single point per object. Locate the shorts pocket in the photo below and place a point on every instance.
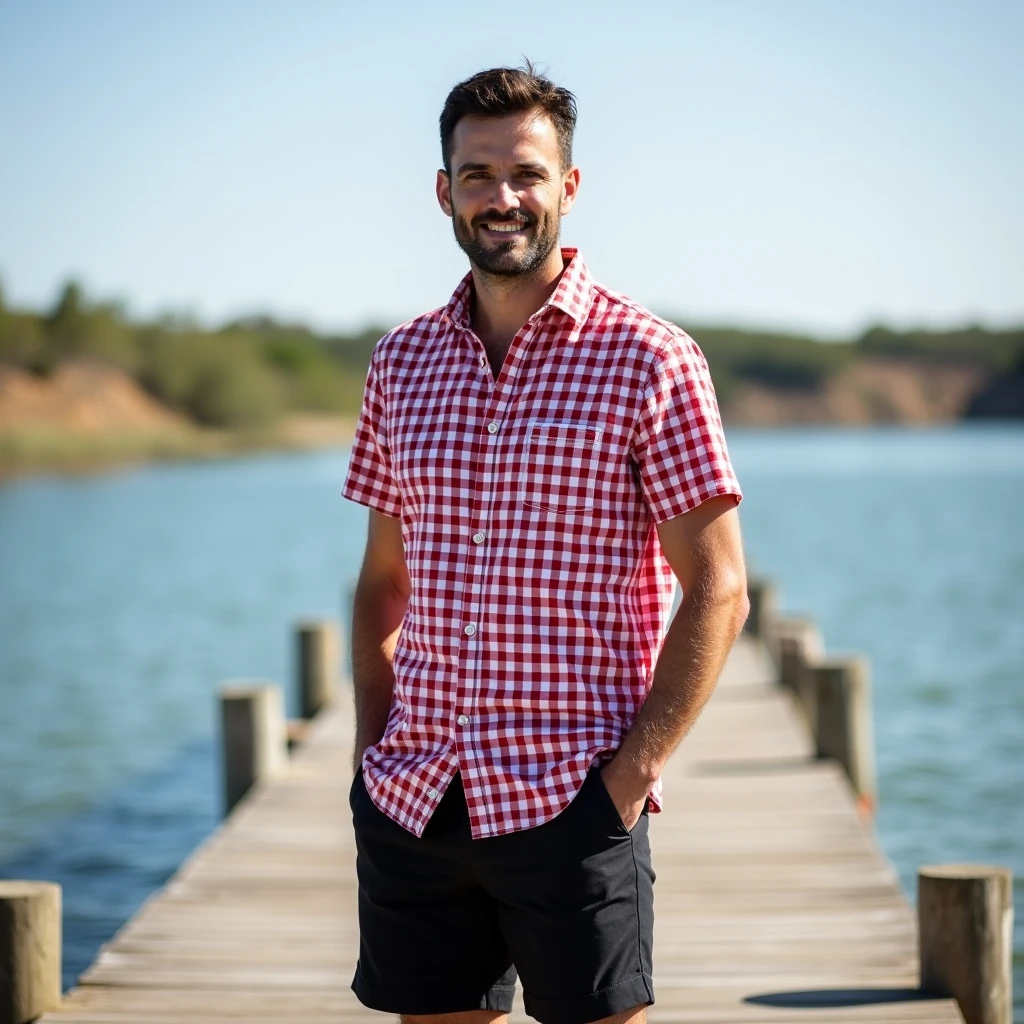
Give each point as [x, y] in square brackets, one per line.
[612, 810]
[560, 469]
[605, 798]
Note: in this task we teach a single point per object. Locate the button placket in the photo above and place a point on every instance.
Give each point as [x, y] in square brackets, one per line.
[494, 414]
[467, 662]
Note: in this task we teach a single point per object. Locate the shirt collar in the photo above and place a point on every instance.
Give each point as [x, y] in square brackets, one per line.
[572, 294]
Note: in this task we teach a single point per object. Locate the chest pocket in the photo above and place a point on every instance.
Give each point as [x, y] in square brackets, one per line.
[561, 466]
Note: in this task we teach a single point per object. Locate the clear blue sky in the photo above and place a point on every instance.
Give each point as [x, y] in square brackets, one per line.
[812, 165]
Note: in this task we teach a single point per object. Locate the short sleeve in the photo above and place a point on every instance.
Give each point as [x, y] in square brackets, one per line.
[678, 444]
[370, 480]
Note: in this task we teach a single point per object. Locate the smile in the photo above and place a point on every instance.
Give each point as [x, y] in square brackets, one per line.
[506, 228]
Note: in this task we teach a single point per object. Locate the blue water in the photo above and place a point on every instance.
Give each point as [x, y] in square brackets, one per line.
[126, 599]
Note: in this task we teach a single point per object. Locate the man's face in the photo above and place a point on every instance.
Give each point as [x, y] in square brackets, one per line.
[507, 191]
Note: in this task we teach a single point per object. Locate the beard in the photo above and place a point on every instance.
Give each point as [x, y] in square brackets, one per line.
[512, 258]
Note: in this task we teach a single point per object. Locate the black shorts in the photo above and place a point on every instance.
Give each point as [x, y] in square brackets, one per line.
[446, 921]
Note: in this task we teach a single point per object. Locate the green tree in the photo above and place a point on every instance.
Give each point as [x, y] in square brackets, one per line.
[971, 345]
[21, 337]
[218, 380]
[235, 388]
[22, 342]
[74, 330]
[312, 380]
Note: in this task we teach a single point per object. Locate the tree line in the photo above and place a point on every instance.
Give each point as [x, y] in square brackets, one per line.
[251, 371]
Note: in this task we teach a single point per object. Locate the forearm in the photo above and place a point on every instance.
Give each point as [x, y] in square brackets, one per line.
[377, 612]
[691, 660]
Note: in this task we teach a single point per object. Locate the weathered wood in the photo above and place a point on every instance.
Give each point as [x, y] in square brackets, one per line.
[773, 902]
[842, 716]
[30, 949]
[763, 598]
[254, 737]
[319, 658]
[797, 645]
[965, 921]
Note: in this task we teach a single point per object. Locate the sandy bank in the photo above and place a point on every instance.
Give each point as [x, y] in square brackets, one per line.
[88, 417]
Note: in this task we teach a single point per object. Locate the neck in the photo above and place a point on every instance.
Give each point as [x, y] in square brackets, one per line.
[503, 304]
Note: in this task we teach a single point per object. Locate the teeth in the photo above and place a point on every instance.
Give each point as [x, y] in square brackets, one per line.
[504, 227]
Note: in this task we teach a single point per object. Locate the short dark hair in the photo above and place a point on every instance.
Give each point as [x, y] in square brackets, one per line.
[502, 91]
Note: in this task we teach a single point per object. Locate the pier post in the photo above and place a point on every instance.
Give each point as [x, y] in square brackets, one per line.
[254, 737]
[30, 950]
[319, 658]
[965, 925]
[763, 599]
[797, 644]
[842, 723]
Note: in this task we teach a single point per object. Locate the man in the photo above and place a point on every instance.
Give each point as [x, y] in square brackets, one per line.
[539, 456]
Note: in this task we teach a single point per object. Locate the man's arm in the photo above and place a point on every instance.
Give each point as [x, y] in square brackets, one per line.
[704, 549]
[381, 598]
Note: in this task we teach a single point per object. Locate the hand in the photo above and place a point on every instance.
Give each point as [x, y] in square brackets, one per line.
[627, 789]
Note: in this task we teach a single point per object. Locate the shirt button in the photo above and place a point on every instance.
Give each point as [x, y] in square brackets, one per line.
[463, 719]
[492, 428]
[432, 793]
[470, 630]
[483, 360]
[478, 538]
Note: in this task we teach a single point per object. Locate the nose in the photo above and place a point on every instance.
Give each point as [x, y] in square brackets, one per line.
[505, 197]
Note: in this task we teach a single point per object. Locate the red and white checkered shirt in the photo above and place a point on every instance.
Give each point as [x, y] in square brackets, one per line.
[540, 594]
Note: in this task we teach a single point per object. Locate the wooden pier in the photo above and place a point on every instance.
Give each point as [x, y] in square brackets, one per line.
[773, 900]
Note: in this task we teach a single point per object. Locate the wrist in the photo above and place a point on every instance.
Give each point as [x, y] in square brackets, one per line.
[640, 773]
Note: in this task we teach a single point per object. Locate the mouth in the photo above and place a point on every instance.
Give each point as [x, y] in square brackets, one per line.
[505, 227]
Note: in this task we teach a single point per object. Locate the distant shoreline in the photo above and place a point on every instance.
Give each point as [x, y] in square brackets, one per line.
[39, 451]
[88, 418]
[68, 455]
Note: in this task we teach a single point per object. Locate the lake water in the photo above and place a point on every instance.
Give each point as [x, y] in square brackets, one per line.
[126, 599]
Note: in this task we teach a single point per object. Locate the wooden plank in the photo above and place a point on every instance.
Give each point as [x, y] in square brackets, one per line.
[773, 900]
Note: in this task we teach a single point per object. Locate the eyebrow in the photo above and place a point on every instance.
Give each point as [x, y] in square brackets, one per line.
[527, 166]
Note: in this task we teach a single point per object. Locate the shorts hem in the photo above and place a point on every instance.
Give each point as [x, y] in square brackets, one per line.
[415, 1002]
[633, 991]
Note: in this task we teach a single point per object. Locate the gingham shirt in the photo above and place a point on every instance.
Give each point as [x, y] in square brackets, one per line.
[540, 594]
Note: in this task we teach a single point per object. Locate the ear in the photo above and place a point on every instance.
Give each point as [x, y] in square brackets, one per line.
[570, 186]
[443, 188]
